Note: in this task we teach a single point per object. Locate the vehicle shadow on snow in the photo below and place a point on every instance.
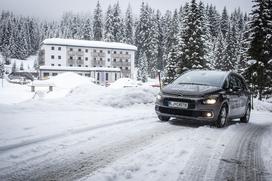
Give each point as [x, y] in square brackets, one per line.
[195, 123]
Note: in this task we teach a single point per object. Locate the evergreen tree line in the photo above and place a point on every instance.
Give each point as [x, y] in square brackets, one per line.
[194, 36]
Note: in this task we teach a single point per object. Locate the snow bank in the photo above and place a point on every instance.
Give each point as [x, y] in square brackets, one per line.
[124, 82]
[123, 97]
[69, 80]
[262, 105]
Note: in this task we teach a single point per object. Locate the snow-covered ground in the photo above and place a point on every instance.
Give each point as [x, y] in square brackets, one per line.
[89, 132]
[28, 63]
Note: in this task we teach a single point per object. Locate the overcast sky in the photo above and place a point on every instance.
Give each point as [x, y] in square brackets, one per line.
[53, 9]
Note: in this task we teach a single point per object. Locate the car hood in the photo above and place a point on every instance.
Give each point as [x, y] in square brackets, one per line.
[190, 89]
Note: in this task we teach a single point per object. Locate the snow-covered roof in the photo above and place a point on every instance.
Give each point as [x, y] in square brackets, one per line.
[106, 69]
[86, 43]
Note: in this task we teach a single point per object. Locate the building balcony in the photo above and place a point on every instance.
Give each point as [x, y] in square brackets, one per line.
[121, 64]
[121, 56]
[98, 54]
[80, 61]
[71, 53]
[81, 53]
[71, 61]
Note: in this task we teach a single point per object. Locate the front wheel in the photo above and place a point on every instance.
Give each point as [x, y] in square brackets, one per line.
[245, 118]
[222, 119]
[164, 118]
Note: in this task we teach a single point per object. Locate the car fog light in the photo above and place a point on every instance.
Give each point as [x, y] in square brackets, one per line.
[209, 114]
[159, 97]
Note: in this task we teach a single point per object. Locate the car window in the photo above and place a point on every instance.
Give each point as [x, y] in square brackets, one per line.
[211, 78]
[232, 82]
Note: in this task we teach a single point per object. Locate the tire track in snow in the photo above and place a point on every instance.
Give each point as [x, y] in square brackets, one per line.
[66, 133]
[78, 165]
[242, 159]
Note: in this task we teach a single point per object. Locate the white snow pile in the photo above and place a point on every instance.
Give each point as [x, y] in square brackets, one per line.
[123, 83]
[262, 105]
[69, 80]
[119, 98]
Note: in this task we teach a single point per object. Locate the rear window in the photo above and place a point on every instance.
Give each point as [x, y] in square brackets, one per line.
[210, 78]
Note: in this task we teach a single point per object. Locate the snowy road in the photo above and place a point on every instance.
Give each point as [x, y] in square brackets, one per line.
[143, 147]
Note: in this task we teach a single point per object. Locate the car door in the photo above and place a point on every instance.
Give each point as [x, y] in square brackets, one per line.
[233, 97]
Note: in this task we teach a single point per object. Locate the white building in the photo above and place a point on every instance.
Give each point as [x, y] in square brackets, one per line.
[104, 61]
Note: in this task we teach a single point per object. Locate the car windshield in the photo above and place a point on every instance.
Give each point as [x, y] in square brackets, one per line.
[209, 78]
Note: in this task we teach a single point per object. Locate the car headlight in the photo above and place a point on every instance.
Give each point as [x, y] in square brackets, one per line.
[210, 101]
[159, 97]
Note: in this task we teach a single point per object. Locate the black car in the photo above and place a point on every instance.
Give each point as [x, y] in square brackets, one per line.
[216, 96]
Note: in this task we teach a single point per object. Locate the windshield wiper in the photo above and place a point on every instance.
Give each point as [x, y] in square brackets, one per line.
[191, 83]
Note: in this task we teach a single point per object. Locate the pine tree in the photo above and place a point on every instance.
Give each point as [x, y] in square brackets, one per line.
[109, 34]
[194, 50]
[87, 30]
[219, 52]
[129, 26]
[97, 23]
[224, 23]
[118, 24]
[142, 73]
[260, 45]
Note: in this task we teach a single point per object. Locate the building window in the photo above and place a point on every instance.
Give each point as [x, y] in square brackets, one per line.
[107, 76]
[79, 50]
[52, 56]
[71, 49]
[52, 48]
[80, 74]
[52, 64]
[121, 52]
[101, 59]
[86, 50]
[108, 52]
[94, 66]
[59, 57]
[59, 65]
[126, 68]
[59, 48]
[86, 65]
[114, 52]
[126, 60]
[108, 59]
[54, 74]
[87, 75]
[94, 50]
[100, 65]
[79, 58]
[114, 60]
[71, 58]
[71, 65]
[121, 68]
[127, 53]
[79, 65]
[45, 74]
[94, 58]
[101, 51]
[121, 60]
[86, 58]
[115, 76]
[114, 67]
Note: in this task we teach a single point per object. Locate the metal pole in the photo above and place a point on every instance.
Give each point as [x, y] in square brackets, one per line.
[159, 73]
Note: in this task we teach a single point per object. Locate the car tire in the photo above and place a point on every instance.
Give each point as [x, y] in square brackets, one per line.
[222, 119]
[164, 118]
[246, 117]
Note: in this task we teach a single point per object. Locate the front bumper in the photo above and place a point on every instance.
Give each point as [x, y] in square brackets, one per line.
[196, 109]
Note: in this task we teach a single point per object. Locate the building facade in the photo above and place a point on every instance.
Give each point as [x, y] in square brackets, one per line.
[103, 61]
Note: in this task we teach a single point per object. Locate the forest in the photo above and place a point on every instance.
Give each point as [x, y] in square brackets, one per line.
[194, 36]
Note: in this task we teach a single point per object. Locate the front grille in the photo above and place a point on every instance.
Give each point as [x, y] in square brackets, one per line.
[180, 112]
[191, 103]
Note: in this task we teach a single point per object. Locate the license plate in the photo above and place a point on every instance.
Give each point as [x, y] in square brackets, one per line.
[183, 105]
